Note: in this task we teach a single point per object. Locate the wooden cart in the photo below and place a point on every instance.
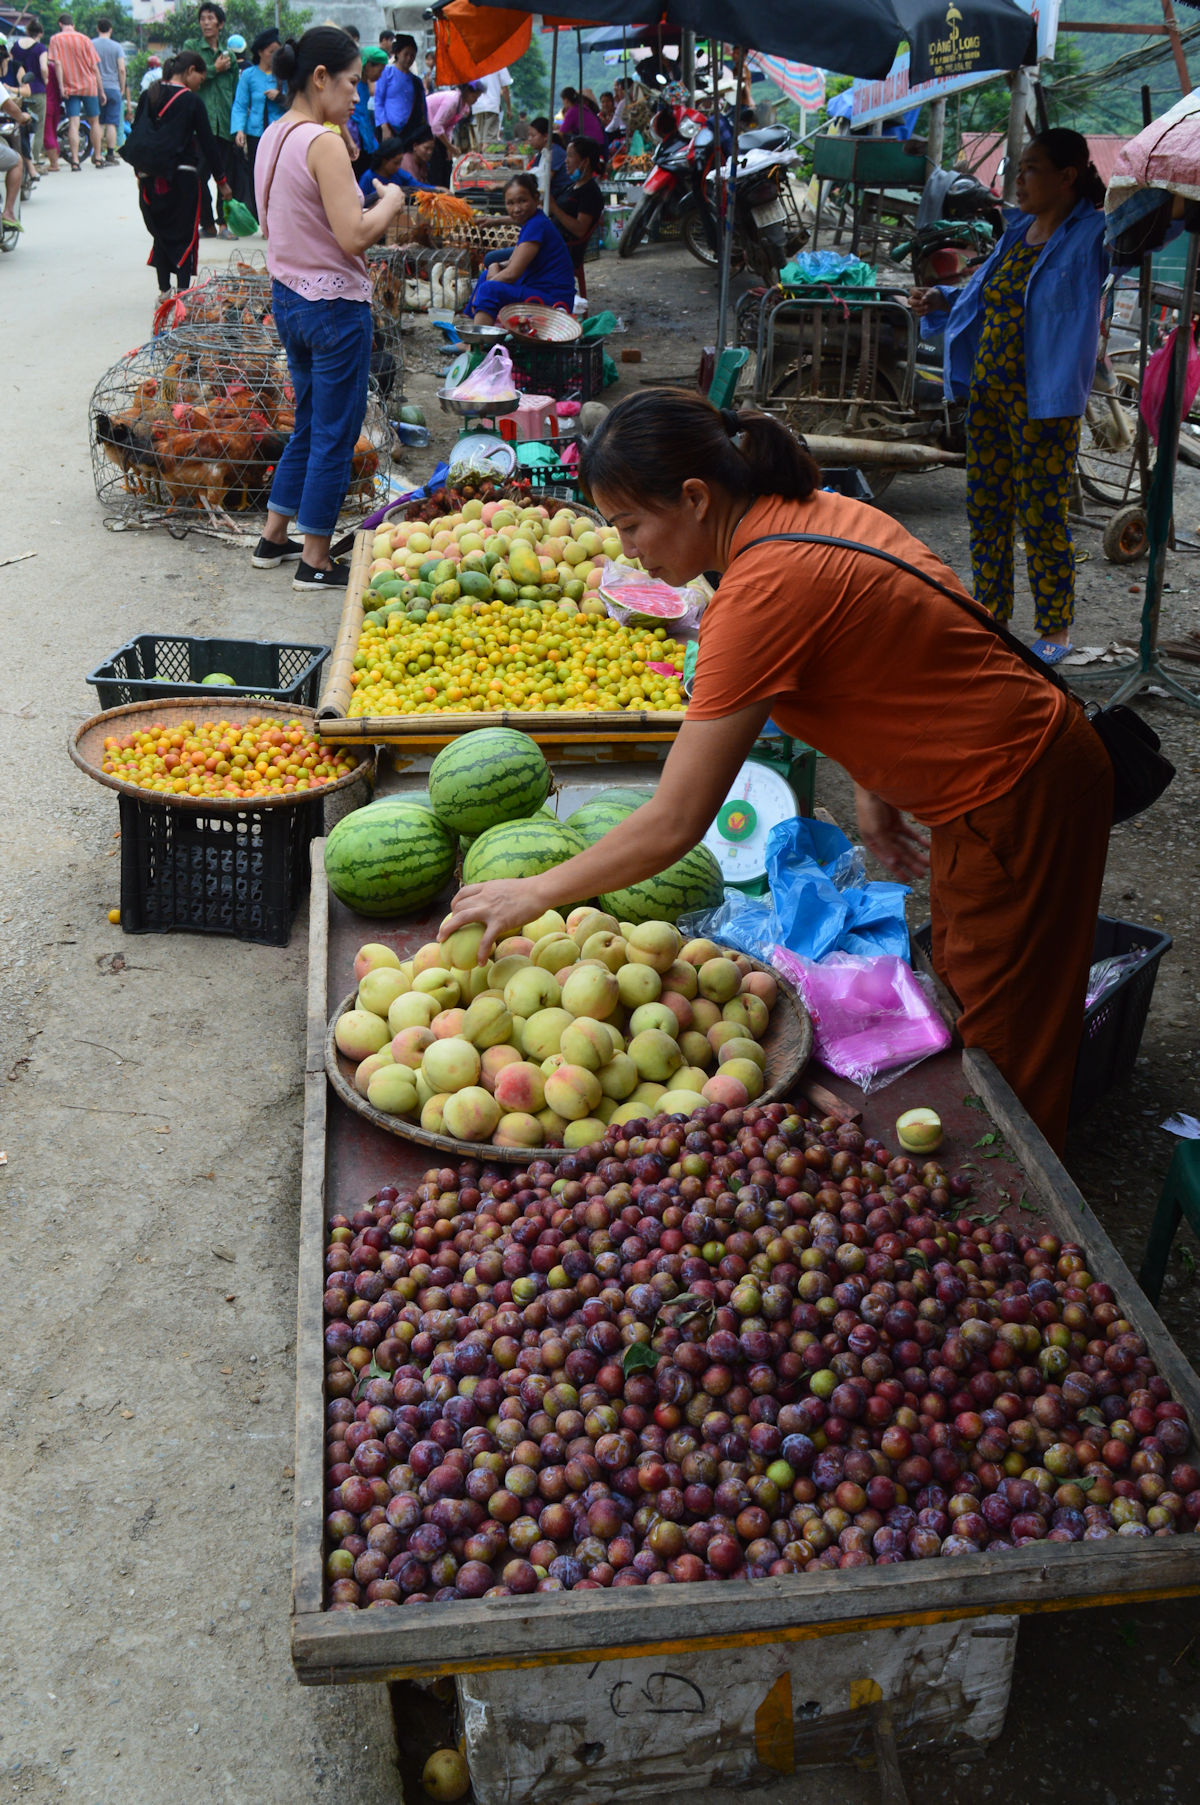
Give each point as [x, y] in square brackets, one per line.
[587, 737]
[655, 1689]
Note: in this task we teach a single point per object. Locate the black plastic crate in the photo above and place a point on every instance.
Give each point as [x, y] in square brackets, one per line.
[1113, 1026]
[569, 372]
[156, 665]
[240, 872]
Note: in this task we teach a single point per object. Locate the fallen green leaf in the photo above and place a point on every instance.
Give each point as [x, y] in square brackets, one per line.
[638, 1356]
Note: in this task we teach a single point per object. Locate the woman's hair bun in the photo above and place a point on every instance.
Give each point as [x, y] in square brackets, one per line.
[283, 63]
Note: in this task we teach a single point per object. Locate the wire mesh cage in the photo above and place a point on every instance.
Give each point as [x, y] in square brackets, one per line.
[187, 431]
[238, 296]
[475, 174]
[412, 283]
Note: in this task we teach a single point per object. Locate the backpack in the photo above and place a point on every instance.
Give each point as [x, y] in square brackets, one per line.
[147, 150]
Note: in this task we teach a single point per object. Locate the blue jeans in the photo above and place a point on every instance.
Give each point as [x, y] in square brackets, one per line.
[328, 345]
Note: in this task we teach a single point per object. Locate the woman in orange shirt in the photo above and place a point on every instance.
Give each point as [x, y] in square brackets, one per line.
[926, 708]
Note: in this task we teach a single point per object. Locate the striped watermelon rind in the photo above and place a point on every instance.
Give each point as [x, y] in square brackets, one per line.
[692, 882]
[594, 818]
[520, 849]
[496, 774]
[389, 858]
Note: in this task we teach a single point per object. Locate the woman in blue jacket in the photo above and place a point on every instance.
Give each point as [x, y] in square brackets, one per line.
[257, 102]
[1020, 342]
[400, 99]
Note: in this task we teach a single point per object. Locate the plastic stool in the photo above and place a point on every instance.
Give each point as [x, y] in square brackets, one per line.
[1180, 1200]
[730, 365]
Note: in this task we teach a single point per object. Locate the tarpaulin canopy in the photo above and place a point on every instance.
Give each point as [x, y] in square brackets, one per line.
[470, 41]
[855, 37]
[799, 81]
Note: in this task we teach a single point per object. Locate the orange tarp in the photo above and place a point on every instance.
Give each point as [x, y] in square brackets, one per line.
[474, 40]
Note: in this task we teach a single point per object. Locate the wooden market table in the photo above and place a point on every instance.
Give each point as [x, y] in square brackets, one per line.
[791, 1669]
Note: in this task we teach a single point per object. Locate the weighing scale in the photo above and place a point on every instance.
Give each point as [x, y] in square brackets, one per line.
[777, 781]
[760, 798]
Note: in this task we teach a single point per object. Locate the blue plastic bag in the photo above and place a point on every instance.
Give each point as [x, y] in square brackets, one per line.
[820, 901]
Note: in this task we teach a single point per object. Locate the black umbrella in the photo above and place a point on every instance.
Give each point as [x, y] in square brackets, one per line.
[852, 37]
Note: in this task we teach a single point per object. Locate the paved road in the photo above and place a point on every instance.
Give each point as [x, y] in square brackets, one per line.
[152, 1113]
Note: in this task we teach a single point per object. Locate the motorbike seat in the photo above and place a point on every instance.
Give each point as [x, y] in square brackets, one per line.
[765, 137]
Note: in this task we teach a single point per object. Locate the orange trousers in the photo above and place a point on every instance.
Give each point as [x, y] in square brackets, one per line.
[1015, 891]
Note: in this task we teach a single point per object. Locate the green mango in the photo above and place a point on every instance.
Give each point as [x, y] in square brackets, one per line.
[425, 590]
[446, 592]
[427, 568]
[504, 589]
[530, 592]
[446, 569]
[475, 582]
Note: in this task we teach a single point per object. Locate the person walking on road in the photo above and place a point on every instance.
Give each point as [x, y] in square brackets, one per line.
[30, 59]
[77, 68]
[257, 102]
[1020, 342]
[170, 140]
[116, 87]
[495, 98]
[217, 95]
[317, 234]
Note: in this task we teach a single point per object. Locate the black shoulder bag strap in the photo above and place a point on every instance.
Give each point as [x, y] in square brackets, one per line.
[1140, 772]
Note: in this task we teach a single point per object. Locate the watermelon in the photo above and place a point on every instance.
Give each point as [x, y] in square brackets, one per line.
[520, 849]
[389, 858]
[495, 774]
[692, 882]
[593, 819]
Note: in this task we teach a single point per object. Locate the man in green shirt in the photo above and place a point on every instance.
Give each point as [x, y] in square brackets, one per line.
[220, 86]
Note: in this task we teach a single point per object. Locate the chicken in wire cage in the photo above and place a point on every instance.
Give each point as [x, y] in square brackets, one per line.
[189, 429]
[239, 295]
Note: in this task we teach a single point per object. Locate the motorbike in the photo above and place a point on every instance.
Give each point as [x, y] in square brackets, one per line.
[767, 227]
[666, 192]
[10, 134]
[958, 222]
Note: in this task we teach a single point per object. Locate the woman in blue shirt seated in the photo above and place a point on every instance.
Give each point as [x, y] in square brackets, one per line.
[1021, 343]
[257, 101]
[537, 268]
[383, 165]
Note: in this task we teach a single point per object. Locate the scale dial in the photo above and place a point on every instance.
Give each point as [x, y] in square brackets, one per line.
[758, 800]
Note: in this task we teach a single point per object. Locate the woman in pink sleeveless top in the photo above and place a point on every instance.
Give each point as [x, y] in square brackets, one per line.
[317, 232]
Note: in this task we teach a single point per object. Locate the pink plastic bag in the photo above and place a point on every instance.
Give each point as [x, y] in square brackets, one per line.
[492, 380]
[873, 1018]
[1154, 384]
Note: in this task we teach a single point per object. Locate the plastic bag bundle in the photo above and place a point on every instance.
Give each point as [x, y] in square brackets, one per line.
[873, 1018]
[827, 269]
[492, 380]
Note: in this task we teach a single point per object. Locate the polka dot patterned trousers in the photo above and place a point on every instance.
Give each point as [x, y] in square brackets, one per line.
[1019, 472]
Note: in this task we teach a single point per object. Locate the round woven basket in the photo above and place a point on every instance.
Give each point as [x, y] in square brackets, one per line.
[542, 325]
[787, 1044]
[86, 746]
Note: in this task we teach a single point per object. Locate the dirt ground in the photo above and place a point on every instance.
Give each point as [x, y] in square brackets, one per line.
[152, 1093]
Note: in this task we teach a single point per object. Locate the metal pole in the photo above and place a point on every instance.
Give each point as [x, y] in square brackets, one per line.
[579, 48]
[1181, 67]
[726, 240]
[1016, 135]
[935, 149]
[1162, 493]
[544, 172]
[687, 61]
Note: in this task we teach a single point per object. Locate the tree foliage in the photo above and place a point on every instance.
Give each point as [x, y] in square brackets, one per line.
[531, 81]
